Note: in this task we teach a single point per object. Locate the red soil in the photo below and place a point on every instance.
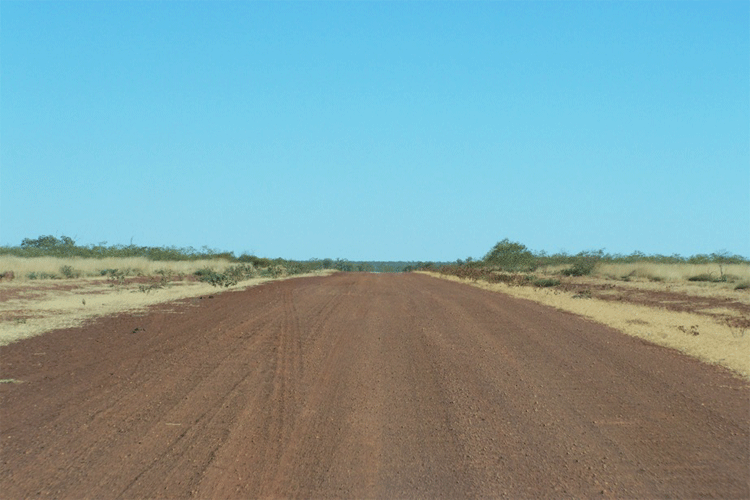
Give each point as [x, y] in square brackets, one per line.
[365, 386]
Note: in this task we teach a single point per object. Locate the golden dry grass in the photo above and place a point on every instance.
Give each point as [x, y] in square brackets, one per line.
[23, 266]
[716, 342]
[673, 272]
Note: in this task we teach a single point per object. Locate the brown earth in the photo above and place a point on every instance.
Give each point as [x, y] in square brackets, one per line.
[365, 386]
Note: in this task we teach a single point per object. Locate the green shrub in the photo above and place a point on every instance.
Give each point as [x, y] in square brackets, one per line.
[255, 261]
[511, 256]
[583, 264]
[115, 277]
[69, 272]
[206, 271]
[231, 276]
[573, 271]
[218, 279]
[742, 285]
[546, 282]
[241, 272]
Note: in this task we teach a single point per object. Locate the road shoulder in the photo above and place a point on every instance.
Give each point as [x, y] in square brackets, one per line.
[698, 335]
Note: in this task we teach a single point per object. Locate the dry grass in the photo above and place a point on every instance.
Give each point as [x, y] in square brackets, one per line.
[697, 335]
[673, 272]
[23, 267]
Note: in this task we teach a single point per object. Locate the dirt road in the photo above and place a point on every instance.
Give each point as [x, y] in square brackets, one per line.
[365, 386]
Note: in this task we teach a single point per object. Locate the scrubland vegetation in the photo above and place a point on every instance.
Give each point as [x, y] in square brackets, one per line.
[49, 257]
[513, 263]
[31, 268]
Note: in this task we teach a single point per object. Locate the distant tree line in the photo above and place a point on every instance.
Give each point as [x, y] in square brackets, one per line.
[511, 256]
[66, 247]
[50, 246]
[506, 255]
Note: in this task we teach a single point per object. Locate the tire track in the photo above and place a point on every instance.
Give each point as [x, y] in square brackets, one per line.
[366, 386]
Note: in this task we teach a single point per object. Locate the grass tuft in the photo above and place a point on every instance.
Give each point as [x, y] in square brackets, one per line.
[702, 277]
[546, 282]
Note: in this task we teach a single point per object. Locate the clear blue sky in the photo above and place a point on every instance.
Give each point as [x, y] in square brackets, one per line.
[377, 131]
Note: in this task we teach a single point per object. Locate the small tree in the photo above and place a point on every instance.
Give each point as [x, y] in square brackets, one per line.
[511, 256]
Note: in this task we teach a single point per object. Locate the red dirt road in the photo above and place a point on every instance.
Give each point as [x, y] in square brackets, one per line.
[365, 386]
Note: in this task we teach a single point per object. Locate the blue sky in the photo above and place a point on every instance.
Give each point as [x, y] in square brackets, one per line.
[377, 131]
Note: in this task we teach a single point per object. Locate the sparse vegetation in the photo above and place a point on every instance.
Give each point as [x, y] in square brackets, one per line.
[691, 330]
[512, 263]
[673, 272]
[69, 272]
[65, 247]
[49, 257]
[702, 277]
[546, 282]
[231, 276]
[583, 264]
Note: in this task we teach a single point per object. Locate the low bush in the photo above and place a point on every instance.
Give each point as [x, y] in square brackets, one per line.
[546, 282]
[573, 271]
[41, 276]
[69, 272]
[218, 279]
[708, 277]
[583, 264]
[514, 279]
[231, 276]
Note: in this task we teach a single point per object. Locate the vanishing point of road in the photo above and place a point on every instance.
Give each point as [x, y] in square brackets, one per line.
[365, 386]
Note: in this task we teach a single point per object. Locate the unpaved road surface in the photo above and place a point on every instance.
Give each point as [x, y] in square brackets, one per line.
[365, 386]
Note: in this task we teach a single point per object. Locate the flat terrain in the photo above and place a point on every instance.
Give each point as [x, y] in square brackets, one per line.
[362, 386]
[705, 320]
[33, 307]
